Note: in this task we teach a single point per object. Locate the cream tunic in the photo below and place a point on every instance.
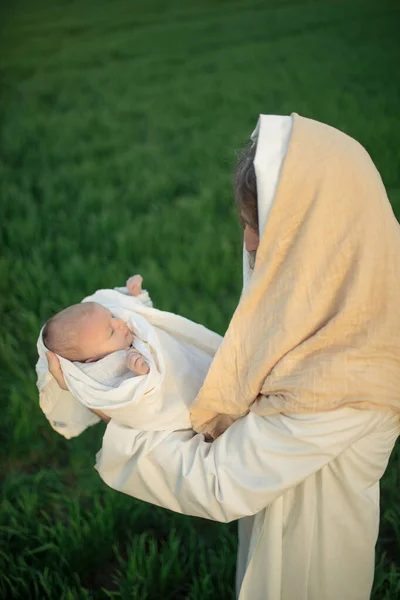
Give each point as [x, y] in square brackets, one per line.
[311, 482]
[304, 486]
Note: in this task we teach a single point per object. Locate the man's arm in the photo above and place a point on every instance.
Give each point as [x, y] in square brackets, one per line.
[255, 461]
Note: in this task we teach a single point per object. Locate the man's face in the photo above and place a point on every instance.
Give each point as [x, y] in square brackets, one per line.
[102, 333]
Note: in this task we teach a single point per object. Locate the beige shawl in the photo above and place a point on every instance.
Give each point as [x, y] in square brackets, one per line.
[319, 325]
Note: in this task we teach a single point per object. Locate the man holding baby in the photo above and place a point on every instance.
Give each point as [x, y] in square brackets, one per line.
[302, 398]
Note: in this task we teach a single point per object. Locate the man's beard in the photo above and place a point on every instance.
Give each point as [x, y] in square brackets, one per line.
[252, 259]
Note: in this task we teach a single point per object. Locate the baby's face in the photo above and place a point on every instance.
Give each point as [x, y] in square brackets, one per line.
[102, 333]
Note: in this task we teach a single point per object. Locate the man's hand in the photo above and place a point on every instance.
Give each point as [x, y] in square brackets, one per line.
[55, 370]
[136, 363]
[134, 285]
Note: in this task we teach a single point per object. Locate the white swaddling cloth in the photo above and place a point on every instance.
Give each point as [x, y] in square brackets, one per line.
[110, 370]
[177, 350]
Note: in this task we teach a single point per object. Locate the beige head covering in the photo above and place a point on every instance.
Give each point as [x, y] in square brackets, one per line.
[319, 325]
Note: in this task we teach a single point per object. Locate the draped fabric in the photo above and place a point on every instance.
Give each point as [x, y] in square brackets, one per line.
[317, 327]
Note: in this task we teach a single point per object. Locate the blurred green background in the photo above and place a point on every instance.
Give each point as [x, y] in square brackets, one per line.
[119, 125]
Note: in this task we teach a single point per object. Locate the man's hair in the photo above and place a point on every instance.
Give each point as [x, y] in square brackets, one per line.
[245, 187]
[60, 334]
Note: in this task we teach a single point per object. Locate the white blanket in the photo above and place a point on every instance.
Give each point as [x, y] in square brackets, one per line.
[178, 351]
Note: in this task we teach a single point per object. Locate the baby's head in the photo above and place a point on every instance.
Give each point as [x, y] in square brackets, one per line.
[86, 332]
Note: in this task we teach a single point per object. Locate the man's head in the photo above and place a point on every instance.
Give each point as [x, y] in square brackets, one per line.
[245, 190]
[86, 332]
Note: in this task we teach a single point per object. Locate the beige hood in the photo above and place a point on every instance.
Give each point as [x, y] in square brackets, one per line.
[318, 326]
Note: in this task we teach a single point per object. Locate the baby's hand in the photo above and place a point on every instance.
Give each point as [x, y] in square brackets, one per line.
[136, 363]
[134, 285]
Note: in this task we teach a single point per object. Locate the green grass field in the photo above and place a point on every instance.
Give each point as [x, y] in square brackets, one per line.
[119, 125]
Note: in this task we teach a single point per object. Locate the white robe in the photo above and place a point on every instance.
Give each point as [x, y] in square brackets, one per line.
[311, 482]
[305, 487]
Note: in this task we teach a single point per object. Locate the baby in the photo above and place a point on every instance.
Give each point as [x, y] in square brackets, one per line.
[87, 332]
[123, 359]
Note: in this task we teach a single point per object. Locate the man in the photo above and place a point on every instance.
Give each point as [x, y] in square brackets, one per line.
[307, 378]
